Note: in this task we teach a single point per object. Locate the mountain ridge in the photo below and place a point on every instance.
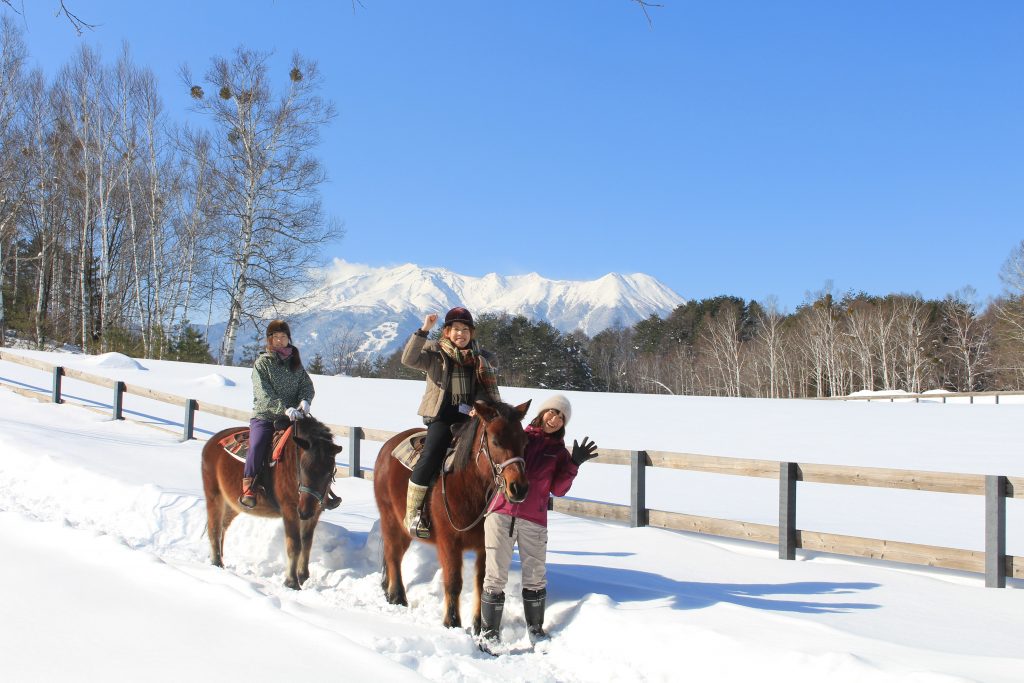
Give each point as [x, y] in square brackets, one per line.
[369, 310]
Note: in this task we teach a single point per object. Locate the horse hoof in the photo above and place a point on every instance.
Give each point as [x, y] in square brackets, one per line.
[292, 583]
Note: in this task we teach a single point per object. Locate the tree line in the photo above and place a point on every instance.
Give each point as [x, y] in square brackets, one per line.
[119, 227]
[725, 346]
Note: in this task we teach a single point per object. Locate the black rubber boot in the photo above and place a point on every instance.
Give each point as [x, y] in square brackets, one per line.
[492, 605]
[533, 608]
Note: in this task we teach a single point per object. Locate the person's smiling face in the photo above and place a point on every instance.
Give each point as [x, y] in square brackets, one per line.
[278, 341]
[460, 334]
[552, 421]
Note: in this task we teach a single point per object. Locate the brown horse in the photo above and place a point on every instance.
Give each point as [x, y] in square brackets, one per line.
[294, 491]
[488, 459]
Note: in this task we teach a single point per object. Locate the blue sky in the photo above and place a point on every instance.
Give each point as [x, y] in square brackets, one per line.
[738, 147]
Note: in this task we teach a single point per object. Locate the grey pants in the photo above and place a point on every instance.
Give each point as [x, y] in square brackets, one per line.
[533, 549]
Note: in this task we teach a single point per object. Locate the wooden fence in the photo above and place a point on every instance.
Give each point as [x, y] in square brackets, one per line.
[892, 398]
[994, 563]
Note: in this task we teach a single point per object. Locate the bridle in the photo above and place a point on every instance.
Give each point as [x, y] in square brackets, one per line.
[498, 484]
[318, 495]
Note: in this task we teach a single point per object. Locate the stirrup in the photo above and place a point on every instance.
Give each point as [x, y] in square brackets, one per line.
[418, 529]
[248, 500]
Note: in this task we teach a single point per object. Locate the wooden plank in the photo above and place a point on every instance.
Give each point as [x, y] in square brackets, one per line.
[90, 378]
[223, 411]
[694, 462]
[727, 528]
[944, 482]
[161, 396]
[893, 551]
[1015, 567]
[1015, 487]
[41, 395]
[28, 362]
[586, 508]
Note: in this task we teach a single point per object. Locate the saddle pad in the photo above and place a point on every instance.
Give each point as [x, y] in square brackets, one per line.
[237, 444]
[408, 451]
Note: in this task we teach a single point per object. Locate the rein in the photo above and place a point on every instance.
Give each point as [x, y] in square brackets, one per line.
[497, 482]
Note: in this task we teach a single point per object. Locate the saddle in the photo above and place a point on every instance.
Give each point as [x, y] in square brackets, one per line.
[237, 444]
[409, 450]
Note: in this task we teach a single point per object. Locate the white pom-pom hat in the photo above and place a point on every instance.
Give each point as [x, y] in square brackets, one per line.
[559, 403]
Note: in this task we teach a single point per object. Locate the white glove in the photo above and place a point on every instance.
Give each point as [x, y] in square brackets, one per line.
[293, 414]
[304, 406]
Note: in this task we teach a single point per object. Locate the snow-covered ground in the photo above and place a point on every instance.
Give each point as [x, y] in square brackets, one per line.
[107, 577]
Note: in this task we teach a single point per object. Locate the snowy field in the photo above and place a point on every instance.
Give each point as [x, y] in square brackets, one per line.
[107, 574]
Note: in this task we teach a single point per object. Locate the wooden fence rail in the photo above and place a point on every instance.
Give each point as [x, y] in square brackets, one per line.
[891, 398]
[994, 563]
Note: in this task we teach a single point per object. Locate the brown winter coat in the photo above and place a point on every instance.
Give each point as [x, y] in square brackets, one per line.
[424, 354]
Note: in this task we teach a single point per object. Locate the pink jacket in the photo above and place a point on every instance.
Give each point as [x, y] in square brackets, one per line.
[550, 472]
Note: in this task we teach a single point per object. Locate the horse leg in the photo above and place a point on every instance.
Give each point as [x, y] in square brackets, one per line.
[218, 516]
[306, 528]
[449, 552]
[395, 541]
[292, 546]
[478, 588]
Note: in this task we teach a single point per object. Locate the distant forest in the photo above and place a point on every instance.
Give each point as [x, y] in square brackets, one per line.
[725, 346]
[121, 230]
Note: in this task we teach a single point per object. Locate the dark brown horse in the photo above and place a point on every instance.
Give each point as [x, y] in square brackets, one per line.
[295, 491]
[488, 459]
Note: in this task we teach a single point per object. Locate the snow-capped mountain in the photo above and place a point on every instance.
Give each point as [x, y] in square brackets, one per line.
[370, 310]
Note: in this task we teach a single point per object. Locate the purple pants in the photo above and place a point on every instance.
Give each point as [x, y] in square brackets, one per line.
[261, 432]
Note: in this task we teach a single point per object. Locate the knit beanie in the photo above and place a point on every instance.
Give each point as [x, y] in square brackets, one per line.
[559, 403]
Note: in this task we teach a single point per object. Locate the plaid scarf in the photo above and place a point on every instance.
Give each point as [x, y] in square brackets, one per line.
[462, 362]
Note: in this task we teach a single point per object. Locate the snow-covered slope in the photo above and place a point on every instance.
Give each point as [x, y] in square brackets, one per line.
[370, 310]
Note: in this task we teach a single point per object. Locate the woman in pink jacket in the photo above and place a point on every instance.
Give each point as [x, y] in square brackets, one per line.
[551, 470]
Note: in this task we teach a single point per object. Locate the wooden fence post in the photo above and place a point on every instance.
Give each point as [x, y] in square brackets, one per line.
[58, 372]
[787, 510]
[355, 437]
[119, 400]
[638, 488]
[190, 418]
[995, 531]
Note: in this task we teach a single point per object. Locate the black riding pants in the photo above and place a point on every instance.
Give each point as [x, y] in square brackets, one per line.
[439, 438]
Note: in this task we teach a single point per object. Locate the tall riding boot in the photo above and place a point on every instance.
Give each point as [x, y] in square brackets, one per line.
[413, 505]
[533, 608]
[491, 607]
[248, 497]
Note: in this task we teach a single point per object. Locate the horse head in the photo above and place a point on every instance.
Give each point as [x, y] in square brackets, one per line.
[504, 444]
[316, 463]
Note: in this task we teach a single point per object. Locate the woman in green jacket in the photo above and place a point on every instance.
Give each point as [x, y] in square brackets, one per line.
[280, 386]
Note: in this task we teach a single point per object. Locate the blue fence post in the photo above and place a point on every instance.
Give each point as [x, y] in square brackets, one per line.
[787, 510]
[995, 531]
[58, 372]
[190, 418]
[118, 400]
[355, 437]
[638, 488]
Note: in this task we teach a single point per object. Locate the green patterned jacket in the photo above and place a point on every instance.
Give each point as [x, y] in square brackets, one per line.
[275, 387]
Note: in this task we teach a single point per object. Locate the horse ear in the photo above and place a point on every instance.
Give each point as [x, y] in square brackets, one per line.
[301, 443]
[336, 448]
[485, 410]
[522, 408]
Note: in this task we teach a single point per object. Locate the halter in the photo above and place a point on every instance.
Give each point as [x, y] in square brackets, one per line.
[497, 481]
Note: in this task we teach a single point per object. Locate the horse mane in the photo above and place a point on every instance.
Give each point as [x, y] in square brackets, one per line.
[313, 430]
[463, 452]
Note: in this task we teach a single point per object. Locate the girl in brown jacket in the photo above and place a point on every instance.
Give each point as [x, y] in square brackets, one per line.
[457, 375]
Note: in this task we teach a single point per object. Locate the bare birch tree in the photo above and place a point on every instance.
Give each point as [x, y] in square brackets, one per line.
[268, 178]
